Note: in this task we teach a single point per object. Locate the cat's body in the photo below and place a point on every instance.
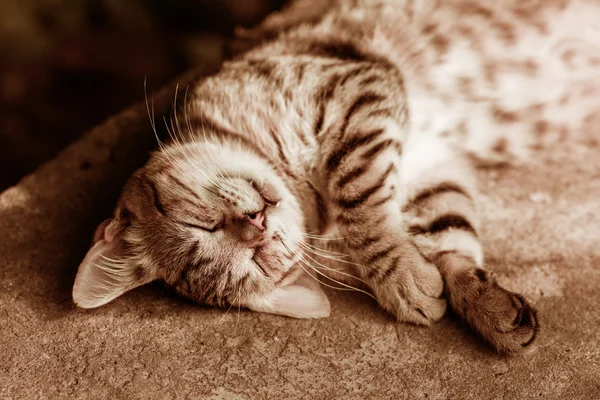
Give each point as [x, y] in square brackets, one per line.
[359, 126]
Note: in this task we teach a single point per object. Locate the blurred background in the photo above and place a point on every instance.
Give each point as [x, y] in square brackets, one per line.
[66, 65]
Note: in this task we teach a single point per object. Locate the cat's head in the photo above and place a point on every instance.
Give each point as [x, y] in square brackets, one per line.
[216, 224]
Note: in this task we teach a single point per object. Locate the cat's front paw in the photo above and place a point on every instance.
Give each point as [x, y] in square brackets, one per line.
[412, 292]
[503, 318]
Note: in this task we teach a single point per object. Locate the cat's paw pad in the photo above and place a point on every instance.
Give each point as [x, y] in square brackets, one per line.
[503, 318]
[414, 292]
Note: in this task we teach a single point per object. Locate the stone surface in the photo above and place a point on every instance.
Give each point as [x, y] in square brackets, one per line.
[542, 225]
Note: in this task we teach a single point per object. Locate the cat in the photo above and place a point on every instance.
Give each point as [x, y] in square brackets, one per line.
[354, 131]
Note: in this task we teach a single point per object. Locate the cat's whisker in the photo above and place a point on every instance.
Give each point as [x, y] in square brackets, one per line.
[315, 269]
[317, 279]
[175, 126]
[173, 139]
[206, 137]
[151, 117]
[337, 271]
[166, 150]
[226, 312]
[180, 147]
[330, 256]
[345, 288]
[202, 121]
[239, 306]
[236, 300]
[316, 235]
[180, 131]
[175, 112]
[179, 169]
[323, 238]
[311, 251]
[197, 169]
[186, 117]
[171, 131]
[324, 250]
[191, 133]
[177, 144]
[302, 260]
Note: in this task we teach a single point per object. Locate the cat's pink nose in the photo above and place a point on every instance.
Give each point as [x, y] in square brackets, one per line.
[257, 219]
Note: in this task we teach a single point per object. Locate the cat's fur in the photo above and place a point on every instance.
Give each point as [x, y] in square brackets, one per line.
[359, 125]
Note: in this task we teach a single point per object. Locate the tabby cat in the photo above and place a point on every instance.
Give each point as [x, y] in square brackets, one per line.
[353, 131]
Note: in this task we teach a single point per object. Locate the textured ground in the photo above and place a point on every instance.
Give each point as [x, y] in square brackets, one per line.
[542, 229]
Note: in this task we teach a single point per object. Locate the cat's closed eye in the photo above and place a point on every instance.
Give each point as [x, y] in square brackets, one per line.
[214, 228]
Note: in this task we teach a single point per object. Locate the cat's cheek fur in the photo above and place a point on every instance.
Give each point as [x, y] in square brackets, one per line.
[303, 298]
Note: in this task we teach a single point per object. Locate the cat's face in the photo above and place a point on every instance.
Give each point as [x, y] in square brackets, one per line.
[218, 225]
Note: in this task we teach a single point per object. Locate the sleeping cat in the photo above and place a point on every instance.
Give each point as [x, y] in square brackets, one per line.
[354, 133]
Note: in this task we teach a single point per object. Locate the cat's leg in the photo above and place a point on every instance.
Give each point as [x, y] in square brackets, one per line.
[440, 211]
[359, 168]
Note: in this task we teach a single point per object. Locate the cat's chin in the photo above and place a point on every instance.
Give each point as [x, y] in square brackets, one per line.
[273, 263]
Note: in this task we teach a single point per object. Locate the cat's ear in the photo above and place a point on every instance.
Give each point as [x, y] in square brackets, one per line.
[104, 274]
[302, 298]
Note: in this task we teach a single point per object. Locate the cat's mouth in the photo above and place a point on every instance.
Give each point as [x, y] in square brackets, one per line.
[271, 262]
[258, 252]
[279, 275]
[260, 266]
[263, 258]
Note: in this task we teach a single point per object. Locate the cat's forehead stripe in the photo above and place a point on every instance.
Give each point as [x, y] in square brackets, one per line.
[179, 183]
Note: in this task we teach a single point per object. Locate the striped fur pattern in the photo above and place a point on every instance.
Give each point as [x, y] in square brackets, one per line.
[353, 133]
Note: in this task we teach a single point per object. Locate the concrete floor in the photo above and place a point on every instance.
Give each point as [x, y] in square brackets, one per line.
[542, 229]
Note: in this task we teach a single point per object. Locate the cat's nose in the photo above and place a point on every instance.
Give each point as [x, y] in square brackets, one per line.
[257, 219]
